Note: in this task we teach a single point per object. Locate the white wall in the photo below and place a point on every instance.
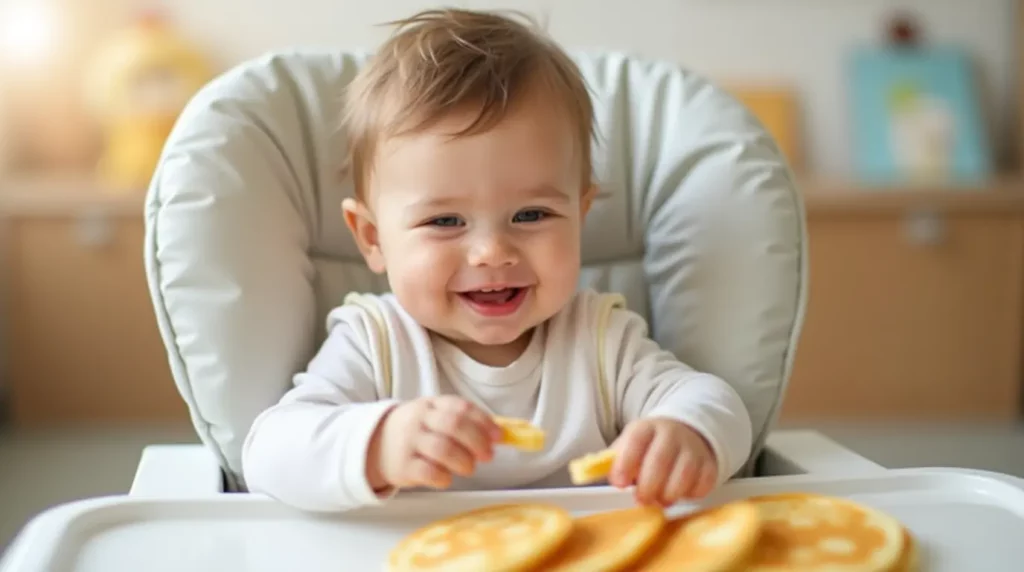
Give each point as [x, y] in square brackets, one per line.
[801, 42]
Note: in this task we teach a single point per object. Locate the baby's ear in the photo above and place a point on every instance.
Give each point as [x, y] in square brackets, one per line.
[361, 223]
[587, 199]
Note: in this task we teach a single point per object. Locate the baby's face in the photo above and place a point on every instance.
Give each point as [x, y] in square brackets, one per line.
[480, 235]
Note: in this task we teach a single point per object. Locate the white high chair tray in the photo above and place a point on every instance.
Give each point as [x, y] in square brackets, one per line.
[963, 519]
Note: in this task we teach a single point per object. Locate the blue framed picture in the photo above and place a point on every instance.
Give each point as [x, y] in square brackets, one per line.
[916, 117]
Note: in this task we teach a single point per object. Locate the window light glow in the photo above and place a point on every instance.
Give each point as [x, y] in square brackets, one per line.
[27, 30]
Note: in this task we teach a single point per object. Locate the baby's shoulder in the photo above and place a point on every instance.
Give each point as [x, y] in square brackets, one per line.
[589, 306]
[592, 314]
[368, 313]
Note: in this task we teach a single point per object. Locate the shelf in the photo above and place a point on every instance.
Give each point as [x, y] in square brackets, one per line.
[64, 194]
[829, 197]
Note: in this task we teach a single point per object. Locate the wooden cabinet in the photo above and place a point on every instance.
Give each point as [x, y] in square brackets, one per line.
[915, 307]
[81, 336]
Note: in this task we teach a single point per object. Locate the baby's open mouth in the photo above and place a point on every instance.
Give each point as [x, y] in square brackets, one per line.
[492, 296]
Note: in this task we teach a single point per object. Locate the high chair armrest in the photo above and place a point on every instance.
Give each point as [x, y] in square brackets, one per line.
[800, 452]
[170, 471]
[173, 471]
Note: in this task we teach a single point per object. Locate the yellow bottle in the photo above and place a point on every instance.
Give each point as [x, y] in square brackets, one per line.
[140, 80]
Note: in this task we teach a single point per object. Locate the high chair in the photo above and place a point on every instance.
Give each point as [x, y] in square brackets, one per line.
[698, 223]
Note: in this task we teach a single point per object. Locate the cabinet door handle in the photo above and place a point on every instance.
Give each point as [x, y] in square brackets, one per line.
[925, 228]
[94, 229]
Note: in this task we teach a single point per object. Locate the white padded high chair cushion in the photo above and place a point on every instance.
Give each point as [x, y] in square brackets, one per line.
[698, 224]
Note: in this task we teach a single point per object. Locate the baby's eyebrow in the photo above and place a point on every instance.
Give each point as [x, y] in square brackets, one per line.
[548, 192]
[539, 192]
[434, 203]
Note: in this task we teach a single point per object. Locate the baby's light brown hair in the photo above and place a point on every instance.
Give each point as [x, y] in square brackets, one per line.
[440, 62]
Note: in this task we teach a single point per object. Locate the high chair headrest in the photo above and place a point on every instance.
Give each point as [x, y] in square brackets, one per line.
[698, 224]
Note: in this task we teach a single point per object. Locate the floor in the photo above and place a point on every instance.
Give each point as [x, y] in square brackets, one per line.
[39, 469]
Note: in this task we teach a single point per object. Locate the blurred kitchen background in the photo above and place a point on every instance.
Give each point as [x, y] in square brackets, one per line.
[912, 349]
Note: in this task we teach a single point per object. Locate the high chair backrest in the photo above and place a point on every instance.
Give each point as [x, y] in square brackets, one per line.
[698, 225]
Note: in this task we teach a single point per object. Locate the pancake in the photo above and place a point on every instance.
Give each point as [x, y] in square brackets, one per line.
[714, 540]
[812, 533]
[498, 538]
[909, 560]
[608, 541]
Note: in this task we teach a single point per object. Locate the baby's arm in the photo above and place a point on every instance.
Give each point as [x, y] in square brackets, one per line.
[651, 382]
[309, 450]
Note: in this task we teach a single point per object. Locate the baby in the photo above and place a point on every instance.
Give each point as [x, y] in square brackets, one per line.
[470, 152]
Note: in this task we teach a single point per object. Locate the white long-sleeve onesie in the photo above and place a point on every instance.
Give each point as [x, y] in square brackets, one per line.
[309, 450]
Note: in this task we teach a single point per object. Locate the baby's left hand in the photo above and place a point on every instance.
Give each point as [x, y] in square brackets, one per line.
[665, 459]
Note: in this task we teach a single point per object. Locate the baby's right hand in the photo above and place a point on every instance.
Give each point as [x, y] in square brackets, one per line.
[425, 441]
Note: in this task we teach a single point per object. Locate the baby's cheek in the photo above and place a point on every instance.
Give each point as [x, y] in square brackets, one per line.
[424, 267]
[559, 254]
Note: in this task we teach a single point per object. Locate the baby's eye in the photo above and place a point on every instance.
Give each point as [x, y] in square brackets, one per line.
[445, 221]
[529, 215]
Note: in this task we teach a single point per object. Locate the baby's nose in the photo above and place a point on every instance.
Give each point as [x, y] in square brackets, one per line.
[494, 250]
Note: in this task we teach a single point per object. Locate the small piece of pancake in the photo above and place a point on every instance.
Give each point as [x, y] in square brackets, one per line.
[812, 533]
[608, 541]
[499, 538]
[713, 540]
[592, 467]
[520, 434]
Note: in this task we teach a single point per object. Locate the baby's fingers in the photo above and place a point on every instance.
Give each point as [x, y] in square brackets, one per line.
[446, 453]
[685, 474]
[655, 470]
[632, 446]
[466, 411]
[466, 424]
[706, 481]
[421, 472]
